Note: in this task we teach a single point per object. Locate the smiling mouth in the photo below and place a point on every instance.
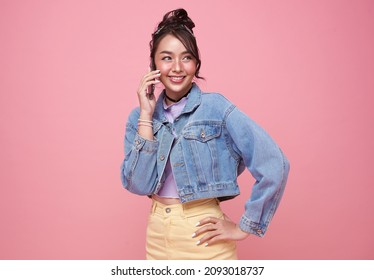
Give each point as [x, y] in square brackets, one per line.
[176, 79]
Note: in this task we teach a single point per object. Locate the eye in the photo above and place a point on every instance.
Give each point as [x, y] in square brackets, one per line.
[166, 58]
[188, 57]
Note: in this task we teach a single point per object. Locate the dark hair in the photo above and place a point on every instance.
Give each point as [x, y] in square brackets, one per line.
[178, 24]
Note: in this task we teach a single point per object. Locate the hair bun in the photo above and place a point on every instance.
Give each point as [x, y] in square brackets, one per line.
[176, 17]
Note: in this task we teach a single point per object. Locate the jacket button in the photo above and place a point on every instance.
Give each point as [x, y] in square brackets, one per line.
[168, 210]
[137, 142]
[162, 157]
[259, 231]
[202, 134]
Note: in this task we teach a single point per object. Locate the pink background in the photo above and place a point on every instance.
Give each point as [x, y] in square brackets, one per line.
[69, 71]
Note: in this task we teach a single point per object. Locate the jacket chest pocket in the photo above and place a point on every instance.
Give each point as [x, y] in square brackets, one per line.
[202, 132]
[201, 144]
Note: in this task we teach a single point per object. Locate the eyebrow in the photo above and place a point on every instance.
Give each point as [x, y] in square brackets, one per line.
[169, 52]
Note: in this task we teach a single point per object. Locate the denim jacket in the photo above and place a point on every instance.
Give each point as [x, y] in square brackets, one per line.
[212, 144]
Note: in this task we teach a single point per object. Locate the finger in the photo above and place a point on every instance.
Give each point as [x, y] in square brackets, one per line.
[214, 240]
[206, 224]
[217, 235]
[204, 229]
[143, 90]
[152, 74]
[208, 220]
[150, 83]
[152, 78]
[207, 238]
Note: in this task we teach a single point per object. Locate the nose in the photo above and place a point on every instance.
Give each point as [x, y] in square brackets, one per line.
[177, 66]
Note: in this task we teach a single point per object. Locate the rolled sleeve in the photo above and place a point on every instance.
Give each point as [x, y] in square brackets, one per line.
[139, 168]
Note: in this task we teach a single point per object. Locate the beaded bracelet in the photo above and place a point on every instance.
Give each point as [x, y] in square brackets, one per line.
[147, 121]
[144, 124]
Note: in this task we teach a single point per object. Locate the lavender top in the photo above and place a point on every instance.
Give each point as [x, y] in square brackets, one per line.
[169, 188]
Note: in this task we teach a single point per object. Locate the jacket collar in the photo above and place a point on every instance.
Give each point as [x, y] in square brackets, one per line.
[194, 100]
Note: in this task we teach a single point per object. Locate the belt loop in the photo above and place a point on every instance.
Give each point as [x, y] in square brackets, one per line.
[183, 208]
[153, 209]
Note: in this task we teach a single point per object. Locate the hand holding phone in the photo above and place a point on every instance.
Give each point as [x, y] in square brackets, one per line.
[150, 91]
[146, 88]
[151, 88]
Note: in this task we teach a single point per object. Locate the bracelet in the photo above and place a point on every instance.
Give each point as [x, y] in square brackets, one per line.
[147, 121]
[145, 124]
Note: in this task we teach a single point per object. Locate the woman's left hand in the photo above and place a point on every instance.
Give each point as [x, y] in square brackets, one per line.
[218, 230]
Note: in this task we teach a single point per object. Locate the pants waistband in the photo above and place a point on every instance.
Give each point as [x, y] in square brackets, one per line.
[184, 209]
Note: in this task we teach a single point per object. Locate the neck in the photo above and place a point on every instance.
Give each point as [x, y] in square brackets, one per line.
[176, 100]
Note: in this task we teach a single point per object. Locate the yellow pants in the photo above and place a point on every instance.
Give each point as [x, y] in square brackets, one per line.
[170, 229]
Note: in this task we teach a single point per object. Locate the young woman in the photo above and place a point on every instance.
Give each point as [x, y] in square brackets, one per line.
[185, 151]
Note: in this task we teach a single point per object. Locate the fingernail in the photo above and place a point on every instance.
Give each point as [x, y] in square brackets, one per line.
[198, 223]
[193, 235]
[206, 244]
[198, 242]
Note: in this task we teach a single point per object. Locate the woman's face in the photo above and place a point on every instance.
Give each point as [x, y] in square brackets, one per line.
[177, 66]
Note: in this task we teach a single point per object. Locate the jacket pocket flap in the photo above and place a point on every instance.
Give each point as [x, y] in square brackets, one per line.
[202, 132]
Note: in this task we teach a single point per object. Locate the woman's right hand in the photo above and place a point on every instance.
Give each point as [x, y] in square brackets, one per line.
[147, 103]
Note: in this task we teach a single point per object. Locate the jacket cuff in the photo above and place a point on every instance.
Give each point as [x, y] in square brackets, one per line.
[145, 145]
[252, 227]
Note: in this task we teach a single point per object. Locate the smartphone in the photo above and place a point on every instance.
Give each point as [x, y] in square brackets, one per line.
[151, 88]
[150, 91]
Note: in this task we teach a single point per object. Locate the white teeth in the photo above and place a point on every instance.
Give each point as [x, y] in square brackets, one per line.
[176, 78]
